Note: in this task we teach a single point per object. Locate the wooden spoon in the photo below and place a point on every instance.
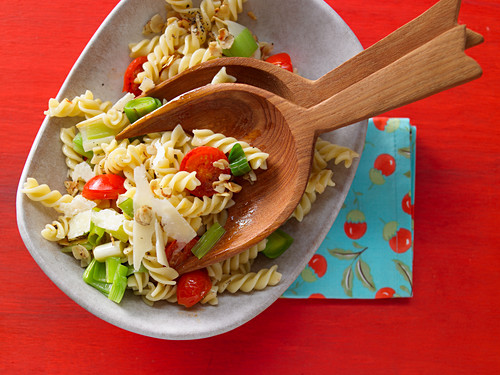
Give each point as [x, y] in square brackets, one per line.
[287, 131]
[435, 21]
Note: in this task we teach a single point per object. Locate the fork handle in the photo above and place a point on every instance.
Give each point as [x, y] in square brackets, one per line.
[435, 21]
[436, 66]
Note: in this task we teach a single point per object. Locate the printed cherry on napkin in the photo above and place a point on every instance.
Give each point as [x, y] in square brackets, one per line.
[368, 252]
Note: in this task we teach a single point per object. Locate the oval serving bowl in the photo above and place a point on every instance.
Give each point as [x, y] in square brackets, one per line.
[316, 38]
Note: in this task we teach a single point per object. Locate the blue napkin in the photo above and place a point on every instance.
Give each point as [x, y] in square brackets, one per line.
[368, 252]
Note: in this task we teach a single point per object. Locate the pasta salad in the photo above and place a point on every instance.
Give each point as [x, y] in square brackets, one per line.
[136, 209]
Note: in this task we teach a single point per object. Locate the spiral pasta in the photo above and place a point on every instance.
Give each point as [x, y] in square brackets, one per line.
[73, 158]
[329, 151]
[178, 182]
[304, 206]
[43, 194]
[83, 105]
[57, 230]
[159, 272]
[143, 47]
[250, 281]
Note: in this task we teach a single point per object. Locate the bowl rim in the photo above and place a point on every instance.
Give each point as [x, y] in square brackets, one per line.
[103, 313]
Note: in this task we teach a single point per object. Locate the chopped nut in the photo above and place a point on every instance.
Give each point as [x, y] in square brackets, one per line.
[252, 15]
[266, 49]
[221, 164]
[225, 39]
[144, 215]
[71, 187]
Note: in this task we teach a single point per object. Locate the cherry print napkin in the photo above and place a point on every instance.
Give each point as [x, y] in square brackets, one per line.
[368, 252]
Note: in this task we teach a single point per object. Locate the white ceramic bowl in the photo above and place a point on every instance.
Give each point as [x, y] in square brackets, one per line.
[316, 38]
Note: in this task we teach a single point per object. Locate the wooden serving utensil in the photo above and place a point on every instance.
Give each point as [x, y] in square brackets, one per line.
[288, 131]
[436, 20]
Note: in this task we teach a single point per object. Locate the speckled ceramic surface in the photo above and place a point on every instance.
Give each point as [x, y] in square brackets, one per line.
[316, 38]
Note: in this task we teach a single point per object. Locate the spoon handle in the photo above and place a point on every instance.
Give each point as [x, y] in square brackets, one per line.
[436, 66]
[435, 21]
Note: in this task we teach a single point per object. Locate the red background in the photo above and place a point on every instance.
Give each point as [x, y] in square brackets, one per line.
[450, 326]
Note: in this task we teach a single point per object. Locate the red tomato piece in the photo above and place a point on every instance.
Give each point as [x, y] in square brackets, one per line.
[282, 60]
[104, 186]
[133, 69]
[201, 160]
[175, 255]
[192, 287]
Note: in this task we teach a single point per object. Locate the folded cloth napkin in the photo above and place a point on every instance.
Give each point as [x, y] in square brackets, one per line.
[368, 252]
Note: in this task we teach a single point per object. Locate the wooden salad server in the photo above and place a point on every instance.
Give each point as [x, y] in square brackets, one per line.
[436, 20]
[288, 131]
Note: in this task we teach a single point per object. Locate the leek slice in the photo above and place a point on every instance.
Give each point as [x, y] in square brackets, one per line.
[99, 273]
[88, 277]
[119, 284]
[238, 162]
[244, 44]
[95, 235]
[138, 107]
[277, 243]
[110, 249]
[78, 146]
[112, 264]
[208, 240]
[94, 132]
[127, 206]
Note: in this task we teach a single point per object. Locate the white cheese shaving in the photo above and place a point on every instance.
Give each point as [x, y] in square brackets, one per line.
[108, 219]
[160, 153]
[147, 84]
[120, 104]
[142, 233]
[79, 224]
[174, 225]
[77, 205]
[161, 255]
[173, 222]
[83, 171]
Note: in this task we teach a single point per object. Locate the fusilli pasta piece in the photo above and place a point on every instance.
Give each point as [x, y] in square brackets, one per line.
[83, 105]
[57, 230]
[73, 158]
[250, 281]
[330, 151]
[43, 194]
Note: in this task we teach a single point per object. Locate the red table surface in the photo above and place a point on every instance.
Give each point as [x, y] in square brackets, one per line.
[449, 326]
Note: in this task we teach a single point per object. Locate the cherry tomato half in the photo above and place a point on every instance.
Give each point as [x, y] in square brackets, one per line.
[133, 69]
[201, 160]
[175, 255]
[282, 60]
[104, 186]
[192, 287]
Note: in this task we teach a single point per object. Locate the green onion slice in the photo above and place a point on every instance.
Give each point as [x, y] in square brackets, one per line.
[138, 107]
[208, 240]
[277, 243]
[238, 162]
